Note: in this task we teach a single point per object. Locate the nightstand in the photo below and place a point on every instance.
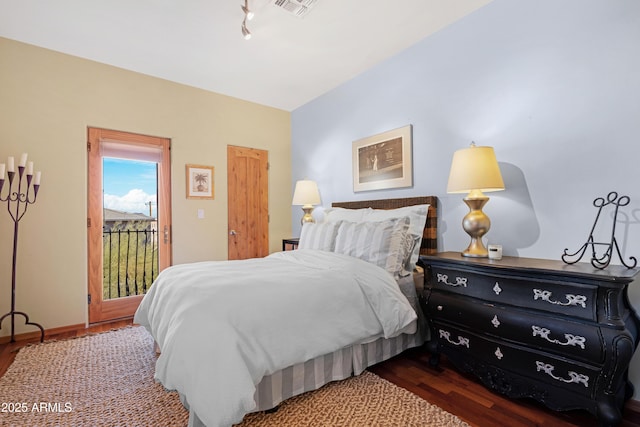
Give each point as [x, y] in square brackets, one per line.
[561, 334]
[291, 242]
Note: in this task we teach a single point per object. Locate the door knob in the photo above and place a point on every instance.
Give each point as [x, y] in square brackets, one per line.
[233, 232]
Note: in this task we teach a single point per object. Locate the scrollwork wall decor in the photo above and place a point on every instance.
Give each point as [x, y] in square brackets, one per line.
[602, 260]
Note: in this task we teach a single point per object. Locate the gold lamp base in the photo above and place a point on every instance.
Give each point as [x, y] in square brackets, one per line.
[307, 217]
[476, 223]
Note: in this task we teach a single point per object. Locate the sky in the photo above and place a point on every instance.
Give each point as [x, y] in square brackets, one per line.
[129, 185]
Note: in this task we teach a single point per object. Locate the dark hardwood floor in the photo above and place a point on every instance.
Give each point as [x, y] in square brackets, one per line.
[467, 398]
[445, 387]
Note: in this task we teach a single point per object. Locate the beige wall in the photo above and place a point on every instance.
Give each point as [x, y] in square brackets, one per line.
[48, 99]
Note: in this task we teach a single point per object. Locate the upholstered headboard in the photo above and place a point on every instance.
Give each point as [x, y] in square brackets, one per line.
[429, 244]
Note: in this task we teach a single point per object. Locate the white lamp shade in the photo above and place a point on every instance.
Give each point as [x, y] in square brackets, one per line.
[474, 168]
[306, 193]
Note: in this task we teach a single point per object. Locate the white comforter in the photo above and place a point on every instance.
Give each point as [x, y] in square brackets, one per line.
[222, 326]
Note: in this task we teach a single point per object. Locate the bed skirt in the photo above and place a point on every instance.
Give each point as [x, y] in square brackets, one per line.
[339, 365]
[313, 374]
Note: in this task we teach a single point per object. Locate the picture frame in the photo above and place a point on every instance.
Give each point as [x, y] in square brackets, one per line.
[383, 161]
[200, 182]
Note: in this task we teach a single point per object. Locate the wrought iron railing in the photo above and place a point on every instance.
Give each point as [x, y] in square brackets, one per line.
[130, 262]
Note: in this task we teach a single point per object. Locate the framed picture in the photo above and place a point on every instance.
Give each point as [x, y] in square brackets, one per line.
[383, 161]
[199, 182]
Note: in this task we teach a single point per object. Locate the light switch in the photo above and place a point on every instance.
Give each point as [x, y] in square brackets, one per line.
[200, 213]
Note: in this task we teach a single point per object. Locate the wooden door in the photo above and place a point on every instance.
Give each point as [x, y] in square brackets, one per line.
[248, 202]
[102, 307]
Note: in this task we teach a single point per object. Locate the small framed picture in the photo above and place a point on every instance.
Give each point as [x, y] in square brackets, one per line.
[199, 182]
[383, 161]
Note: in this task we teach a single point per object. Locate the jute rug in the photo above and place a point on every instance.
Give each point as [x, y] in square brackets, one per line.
[107, 380]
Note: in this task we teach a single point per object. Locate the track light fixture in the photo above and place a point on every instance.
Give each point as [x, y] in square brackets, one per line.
[248, 16]
[247, 12]
[245, 31]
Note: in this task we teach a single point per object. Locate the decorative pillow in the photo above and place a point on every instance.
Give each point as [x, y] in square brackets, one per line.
[417, 218]
[408, 244]
[319, 236]
[380, 243]
[342, 214]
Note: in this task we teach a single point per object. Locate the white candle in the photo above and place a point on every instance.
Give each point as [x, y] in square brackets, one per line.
[30, 168]
[23, 160]
[10, 166]
[37, 179]
[2, 167]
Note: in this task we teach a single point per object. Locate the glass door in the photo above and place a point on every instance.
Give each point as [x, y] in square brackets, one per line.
[129, 219]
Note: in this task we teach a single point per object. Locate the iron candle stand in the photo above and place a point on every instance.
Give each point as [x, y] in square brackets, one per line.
[17, 204]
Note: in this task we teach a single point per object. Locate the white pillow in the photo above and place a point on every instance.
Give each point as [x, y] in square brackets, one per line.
[343, 214]
[318, 236]
[380, 243]
[417, 219]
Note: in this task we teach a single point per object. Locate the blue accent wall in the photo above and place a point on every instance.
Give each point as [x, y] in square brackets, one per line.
[553, 86]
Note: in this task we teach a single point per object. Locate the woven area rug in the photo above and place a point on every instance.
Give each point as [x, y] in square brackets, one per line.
[107, 380]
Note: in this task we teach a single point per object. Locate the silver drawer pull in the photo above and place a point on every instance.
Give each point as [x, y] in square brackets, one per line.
[498, 353]
[461, 340]
[460, 281]
[573, 340]
[574, 377]
[571, 299]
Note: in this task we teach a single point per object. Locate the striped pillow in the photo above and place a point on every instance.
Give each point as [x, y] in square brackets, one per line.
[318, 236]
[380, 243]
[417, 218]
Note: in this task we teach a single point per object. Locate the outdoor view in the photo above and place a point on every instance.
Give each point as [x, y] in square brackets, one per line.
[130, 227]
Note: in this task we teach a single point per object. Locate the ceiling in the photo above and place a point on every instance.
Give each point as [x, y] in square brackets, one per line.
[288, 62]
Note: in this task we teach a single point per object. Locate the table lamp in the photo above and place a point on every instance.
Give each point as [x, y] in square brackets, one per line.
[475, 170]
[306, 195]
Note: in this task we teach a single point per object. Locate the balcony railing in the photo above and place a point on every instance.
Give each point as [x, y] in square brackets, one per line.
[130, 262]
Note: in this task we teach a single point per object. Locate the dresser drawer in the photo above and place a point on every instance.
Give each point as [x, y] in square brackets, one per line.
[575, 377]
[577, 340]
[570, 299]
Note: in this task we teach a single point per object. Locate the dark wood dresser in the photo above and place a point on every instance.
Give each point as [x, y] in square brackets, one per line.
[561, 334]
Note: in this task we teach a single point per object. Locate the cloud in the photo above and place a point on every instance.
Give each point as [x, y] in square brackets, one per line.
[132, 202]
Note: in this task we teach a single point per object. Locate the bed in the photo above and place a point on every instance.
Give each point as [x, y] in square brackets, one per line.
[310, 328]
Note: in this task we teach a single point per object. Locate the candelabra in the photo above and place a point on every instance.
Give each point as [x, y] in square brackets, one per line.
[17, 203]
